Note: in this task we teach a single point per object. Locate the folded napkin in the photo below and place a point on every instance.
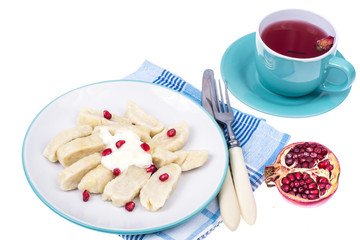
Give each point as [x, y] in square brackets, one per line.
[260, 144]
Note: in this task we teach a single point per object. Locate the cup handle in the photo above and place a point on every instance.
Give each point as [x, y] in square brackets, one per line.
[345, 67]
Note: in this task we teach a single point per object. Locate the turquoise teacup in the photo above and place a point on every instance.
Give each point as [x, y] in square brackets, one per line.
[295, 77]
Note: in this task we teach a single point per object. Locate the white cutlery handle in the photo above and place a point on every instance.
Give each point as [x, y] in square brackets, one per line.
[243, 187]
[229, 206]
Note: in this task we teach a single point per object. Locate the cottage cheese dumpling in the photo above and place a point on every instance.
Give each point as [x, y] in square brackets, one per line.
[96, 179]
[155, 192]
[65, 137]
[79, 148]
[70, 177]
[126, 186]
[96, 118]
[172, 143]
[191, 159]
[138, 116]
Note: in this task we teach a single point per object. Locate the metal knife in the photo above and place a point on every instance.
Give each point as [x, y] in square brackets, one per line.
[228, 202]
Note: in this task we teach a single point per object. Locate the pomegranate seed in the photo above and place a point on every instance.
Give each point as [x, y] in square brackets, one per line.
[119, 143]
[171, 132]
[116, 171]
[312, 196]
[289, 162]
[330, 167]
[130, 206]
[145, 146]
[285, 188]
[297, 175]
[324, 151]
[314, 191]
[291, 177]
[163, 177]
[323, 180]
[305, 176]
[86, 195]
[312, 186]
[323, 164]
[285, 180]
[309, 180]
[317, 150]
[106, 152]
[305, 165]
[151, 169]
[107, 114]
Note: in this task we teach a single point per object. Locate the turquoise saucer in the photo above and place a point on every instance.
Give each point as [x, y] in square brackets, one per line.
[239, 70]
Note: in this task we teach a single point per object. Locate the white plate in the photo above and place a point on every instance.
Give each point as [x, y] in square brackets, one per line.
[194, 191]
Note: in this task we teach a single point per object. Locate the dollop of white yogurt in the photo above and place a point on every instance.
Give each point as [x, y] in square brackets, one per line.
[130, 153]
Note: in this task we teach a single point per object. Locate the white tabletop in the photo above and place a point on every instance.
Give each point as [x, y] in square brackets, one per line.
[50, 47]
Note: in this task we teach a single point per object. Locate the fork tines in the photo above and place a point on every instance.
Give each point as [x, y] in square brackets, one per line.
[223, 106]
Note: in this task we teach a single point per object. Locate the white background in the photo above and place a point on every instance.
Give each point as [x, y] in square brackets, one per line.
[50, 47]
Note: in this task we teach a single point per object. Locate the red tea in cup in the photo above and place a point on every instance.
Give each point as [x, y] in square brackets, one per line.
[295, 38]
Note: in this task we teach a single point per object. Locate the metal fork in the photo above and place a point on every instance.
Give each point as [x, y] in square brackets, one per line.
[224, 114]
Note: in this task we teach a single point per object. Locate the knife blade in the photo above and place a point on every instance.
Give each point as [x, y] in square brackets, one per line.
[229, 206]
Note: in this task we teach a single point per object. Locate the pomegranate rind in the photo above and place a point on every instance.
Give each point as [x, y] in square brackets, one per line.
[276, 172]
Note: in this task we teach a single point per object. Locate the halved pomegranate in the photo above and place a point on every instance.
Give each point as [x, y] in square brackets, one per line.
[305, 173]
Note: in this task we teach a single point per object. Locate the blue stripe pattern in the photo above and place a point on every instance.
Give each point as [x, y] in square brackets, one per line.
[244, 126]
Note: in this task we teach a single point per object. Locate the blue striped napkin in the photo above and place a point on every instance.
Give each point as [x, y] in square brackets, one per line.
[260, 144]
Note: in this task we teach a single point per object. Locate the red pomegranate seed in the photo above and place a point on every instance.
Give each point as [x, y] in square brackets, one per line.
[171, 132]
[106, 152]
[285, 188]
[291, 177]
[107, 114]
[312, 186]
[285, 180]
[145, 146]
[322, 180]
[151, 169]
[297, 175]
[86, 195]
[119, 143]
[312, 196]
[116, 171]
[130, 206]
[163, 177]
[323, 164]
